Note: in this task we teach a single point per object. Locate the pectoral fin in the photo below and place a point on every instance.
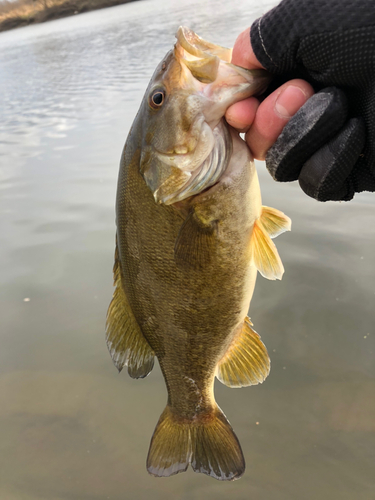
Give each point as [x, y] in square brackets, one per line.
[124, 338]
[195, 243]
[246, 362]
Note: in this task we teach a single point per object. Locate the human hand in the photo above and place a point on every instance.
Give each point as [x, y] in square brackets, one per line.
[263, 122]
[328, 145]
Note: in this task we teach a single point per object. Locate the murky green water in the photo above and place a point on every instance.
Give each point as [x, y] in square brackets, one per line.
[70, 426]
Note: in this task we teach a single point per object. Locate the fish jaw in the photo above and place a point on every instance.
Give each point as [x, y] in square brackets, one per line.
[212, 75]
[186, 184]
[198, 84]
[168, 174]
[186, 160]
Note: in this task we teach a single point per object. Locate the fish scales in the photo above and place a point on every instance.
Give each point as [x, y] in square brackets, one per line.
[191, 236]
[146, 244]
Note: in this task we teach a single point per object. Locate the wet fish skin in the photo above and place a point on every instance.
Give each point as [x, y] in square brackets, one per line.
[187, 255]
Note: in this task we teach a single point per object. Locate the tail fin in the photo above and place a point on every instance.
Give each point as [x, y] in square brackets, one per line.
[208, 443]
[216, 450]
[169, 451]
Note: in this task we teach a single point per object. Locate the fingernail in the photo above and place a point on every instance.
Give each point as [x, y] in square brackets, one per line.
[289, 101]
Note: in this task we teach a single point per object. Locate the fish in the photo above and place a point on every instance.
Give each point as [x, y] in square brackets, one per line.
[191, 236]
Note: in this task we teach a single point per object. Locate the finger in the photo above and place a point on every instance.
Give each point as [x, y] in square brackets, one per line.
[318, 121]
[243, 54]
[241, 114]
[274, 113]
[325, 176]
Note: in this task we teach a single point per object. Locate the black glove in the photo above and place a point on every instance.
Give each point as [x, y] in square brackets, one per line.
[329, 144]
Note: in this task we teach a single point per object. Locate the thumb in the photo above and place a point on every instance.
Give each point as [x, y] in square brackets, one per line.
[241, 115]
[243, 54]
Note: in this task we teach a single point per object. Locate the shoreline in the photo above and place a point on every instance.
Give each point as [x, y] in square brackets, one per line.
[65, 8]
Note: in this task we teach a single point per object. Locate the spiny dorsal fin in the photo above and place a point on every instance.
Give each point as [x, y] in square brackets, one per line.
[124, 338]
[274, 221]
[246, 362]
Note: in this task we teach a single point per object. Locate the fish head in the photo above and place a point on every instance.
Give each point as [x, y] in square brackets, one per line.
[183, 107]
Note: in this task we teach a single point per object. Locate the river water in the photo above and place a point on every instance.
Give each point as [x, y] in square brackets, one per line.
[70, 426]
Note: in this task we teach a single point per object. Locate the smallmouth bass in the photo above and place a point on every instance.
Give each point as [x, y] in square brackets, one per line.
[191, 236]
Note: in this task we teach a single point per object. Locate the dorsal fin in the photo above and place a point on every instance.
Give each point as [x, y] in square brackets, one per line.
[124, 338]
[246, 362]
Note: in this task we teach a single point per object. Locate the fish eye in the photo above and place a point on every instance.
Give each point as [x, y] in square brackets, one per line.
[156, 99]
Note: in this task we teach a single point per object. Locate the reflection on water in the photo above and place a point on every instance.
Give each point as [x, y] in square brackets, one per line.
[70, 426]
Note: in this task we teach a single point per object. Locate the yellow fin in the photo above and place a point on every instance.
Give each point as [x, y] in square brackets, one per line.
[265, 254]
[274, 221]
[124, 338]
[216, 450]
[246, 362]
[195, 243]
[170, 448]
[207, 442]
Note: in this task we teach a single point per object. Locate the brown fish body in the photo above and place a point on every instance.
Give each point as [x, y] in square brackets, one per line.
[189, 315]
[185, 272]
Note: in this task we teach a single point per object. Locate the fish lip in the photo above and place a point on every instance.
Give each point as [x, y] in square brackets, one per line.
[174, 160]
[196, 124]
[162, 155]
[187, 161]
[218, 155]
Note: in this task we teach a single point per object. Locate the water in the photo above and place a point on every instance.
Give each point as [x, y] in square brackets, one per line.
[70, 426]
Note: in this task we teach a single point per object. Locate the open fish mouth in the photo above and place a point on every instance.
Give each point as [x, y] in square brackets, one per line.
[191, 160]
[198, 47]
[209, 62]
[201, 57]
[203, 177]
[204, 84]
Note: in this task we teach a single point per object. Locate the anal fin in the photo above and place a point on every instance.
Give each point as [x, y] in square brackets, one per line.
[246, 362]
[124, 337]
